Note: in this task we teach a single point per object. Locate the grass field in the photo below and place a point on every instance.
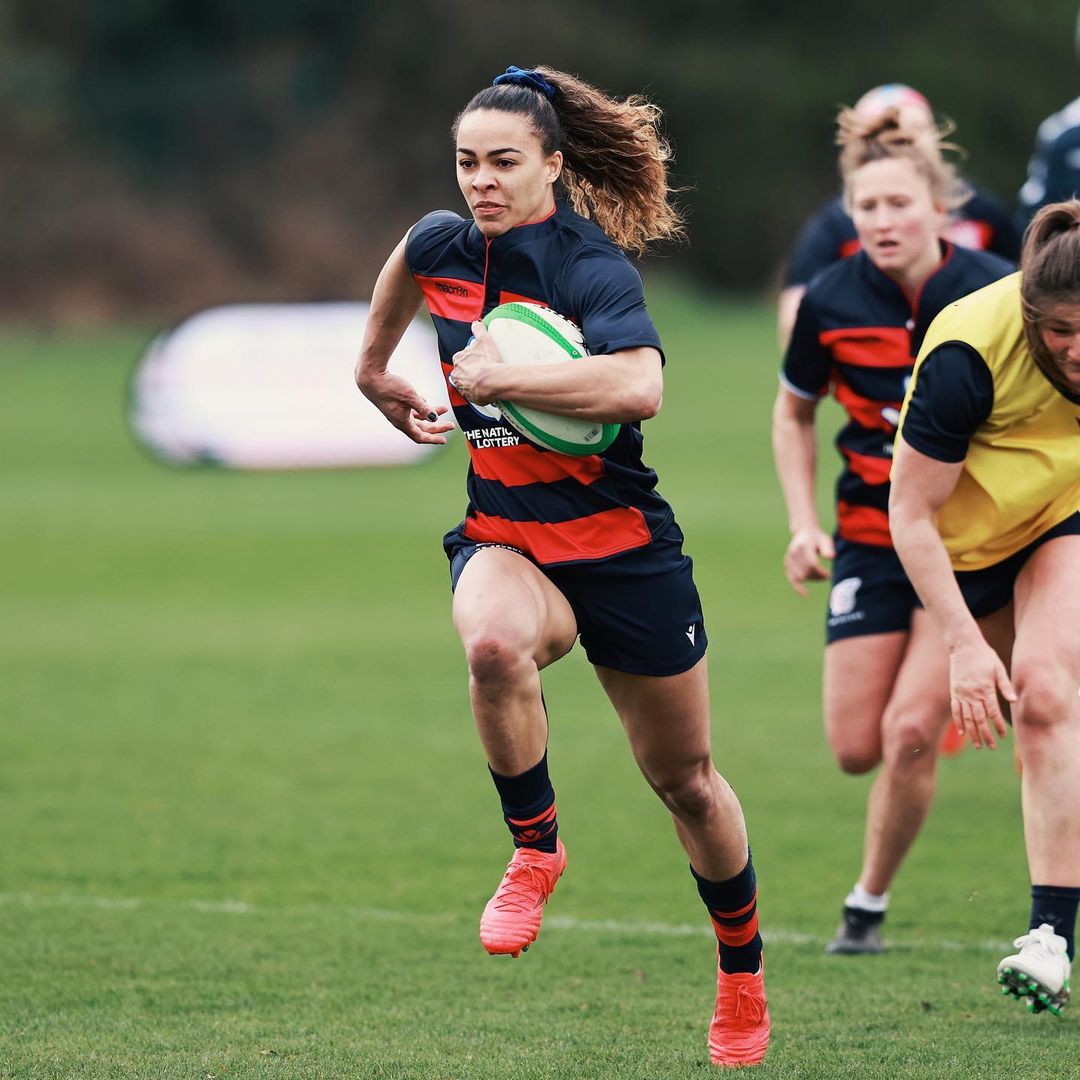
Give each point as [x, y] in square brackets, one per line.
[247, 827]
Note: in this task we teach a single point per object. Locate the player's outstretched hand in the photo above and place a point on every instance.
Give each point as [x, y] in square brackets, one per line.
[407, 410]
[802, 560]
[976, 677]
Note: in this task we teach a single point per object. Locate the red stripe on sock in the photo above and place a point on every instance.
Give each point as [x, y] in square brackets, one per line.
[736, 935]
[547, 815]
[735, 914]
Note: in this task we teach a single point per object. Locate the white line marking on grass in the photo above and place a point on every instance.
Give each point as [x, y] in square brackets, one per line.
[109, 903]
[772, 935]
[223, 907]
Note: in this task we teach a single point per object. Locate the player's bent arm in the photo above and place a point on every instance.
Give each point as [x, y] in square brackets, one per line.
[612, 388]
[920, 486]
[787, 307]
[394, 304]
[794, 439]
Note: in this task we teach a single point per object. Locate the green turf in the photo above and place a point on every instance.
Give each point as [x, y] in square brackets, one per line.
[247, 828]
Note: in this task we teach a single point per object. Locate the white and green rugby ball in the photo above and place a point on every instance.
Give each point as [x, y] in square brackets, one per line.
[531, 334]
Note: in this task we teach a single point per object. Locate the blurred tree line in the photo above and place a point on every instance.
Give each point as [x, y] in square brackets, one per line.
[162, 155]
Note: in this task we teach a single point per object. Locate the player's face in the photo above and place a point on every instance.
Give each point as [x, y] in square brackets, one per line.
[1060, 333]
[502, 171]
[896, 218]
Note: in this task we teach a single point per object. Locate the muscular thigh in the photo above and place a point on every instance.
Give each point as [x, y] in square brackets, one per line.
[503, 595]
[871, 608]
[918, 707]
[1046, 601]
[666, 717]
[858, 681]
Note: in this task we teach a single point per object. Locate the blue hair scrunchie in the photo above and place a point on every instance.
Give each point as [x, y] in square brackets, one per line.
[522, 77]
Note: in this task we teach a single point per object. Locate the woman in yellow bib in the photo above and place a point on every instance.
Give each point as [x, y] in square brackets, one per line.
[985, 515]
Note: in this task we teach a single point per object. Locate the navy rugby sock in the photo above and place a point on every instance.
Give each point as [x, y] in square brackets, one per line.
[528, 804]
[732, 907]
[1056, 905]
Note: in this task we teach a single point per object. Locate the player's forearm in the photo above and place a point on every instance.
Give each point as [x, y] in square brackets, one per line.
[927, 564]
[795, 454]
[394, 303]
[614, 389]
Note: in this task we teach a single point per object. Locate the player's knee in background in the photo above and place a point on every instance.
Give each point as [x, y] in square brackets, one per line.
[855, 741]
[910, 736]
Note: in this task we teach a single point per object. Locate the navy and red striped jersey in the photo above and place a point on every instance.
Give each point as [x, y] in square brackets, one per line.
[555, 507]
[982, 224]
[857, 334]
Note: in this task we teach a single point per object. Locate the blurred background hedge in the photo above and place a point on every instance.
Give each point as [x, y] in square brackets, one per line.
[162, 155]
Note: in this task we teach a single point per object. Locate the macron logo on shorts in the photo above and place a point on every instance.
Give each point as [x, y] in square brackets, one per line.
[690, 631]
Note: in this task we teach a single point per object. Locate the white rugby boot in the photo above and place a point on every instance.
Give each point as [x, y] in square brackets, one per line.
[1038, 972]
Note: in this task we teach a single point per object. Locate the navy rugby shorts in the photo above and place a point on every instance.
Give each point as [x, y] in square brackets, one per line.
[638, 612]
[991, 588]
[870, 592]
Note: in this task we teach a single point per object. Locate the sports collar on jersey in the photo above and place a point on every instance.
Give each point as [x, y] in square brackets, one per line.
[881, 281]
[527, 230]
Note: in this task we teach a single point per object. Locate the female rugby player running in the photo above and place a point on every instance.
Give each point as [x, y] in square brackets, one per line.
[858, 329]
[985, 513]
[553, 546]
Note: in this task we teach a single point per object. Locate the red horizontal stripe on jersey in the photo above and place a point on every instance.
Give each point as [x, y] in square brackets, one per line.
[863, 524]
[515, 466]
[514, 298]
[872, 470]
[864, 411]
[452, 298]
[849, 247]
[594, 537]
[869, 346]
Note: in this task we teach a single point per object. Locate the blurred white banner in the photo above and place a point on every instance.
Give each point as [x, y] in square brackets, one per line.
[270, 386]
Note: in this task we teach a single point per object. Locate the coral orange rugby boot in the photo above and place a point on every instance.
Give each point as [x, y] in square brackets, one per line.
[739, 1032]
[512, 917]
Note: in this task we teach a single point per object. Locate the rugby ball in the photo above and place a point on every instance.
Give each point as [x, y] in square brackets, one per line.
[531, 334]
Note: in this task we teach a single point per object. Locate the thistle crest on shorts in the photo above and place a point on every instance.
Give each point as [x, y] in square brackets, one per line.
[842, 597]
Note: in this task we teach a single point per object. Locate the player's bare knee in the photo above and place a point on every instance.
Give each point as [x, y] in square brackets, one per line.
[855, 742]
[855, 756]
[495, 658]
[1045, 699]
[688, 793]
[910, 740]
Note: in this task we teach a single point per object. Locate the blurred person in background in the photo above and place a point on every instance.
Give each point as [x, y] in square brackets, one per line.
[1054, 169]
[985, 512]
[981, 222]
[554, 546]
[859, 326]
